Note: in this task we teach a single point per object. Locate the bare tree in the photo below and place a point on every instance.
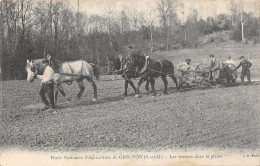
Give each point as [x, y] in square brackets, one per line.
[242, 18]
[166, 9]
[124, 21]
[110, 7]
[150, 19]
[237, 11]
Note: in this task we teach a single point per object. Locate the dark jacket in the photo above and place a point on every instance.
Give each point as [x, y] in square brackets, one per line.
[214, 65]
[245, 65]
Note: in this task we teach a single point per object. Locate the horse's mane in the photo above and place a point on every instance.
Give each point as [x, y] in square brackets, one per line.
[56, 61]
[55, 64]
[40, 67]
[140, 59]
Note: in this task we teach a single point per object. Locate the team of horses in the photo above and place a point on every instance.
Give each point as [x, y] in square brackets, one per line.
[135, 66]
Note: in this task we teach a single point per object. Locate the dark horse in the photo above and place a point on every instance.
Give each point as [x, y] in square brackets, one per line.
[138, 65]
[121, 67]
[152, 69]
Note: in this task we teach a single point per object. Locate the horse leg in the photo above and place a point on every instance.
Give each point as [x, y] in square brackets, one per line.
[165, 84]
[81, 86]
[147, 85]
[56, 91]
[142, 79]
[132, 85]
[128, 81]
[94, 86]
[175, 81]
[60, 88]
[126, 86]
[152, 81]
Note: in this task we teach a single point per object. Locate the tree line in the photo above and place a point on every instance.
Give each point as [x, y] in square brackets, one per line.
[32, 29]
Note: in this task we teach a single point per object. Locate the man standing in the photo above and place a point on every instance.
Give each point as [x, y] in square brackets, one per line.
[47, 84]
[214, 67]
[230, 61]
[245, 69]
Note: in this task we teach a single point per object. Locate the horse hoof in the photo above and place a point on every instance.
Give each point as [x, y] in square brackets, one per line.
[94, 99]
[154, 94]
[137, 96]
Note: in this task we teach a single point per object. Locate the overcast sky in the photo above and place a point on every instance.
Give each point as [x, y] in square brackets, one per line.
[205, 7]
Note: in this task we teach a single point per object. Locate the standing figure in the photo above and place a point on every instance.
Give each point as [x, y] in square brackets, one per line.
[47, 84]
[214, 67]
[230, 61]
[245, 69]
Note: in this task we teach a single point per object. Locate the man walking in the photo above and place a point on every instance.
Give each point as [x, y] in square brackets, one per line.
[245, 69]
[47, 85]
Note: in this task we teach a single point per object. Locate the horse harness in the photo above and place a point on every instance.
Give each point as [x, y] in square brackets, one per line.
[149, 67]
[69, 82]
[127, 71]
[34, 69]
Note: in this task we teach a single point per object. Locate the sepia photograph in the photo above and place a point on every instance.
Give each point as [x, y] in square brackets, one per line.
[129, 82]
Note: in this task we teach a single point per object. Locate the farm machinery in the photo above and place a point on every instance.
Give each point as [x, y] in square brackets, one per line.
[203, 77]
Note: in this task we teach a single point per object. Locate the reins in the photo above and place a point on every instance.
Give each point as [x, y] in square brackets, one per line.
[124, 73]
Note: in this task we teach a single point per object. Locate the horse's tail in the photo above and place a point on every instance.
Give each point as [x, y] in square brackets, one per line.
[95, 70]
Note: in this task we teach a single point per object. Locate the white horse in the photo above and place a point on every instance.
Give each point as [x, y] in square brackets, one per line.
[66, 72]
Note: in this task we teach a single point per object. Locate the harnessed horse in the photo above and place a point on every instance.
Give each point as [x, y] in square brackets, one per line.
[152, 69]
[66, 73]
[121, 67]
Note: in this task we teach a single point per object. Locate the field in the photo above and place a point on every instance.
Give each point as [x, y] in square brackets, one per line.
[223, 118]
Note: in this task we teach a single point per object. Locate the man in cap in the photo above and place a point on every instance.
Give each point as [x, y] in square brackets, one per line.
[47, 84]
[214, 67]
[230, 61]
[245, 69]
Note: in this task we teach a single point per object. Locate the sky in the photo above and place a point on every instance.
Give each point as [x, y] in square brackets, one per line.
[205, 7]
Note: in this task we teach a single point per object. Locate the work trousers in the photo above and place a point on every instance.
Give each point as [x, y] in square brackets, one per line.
[245, 73]
[47, 88]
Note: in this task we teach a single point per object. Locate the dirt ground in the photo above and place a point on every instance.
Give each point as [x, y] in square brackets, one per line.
[220, 118]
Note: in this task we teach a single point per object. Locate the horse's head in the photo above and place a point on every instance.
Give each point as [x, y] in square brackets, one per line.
[135, 61]
[117, 63]
[33, 68]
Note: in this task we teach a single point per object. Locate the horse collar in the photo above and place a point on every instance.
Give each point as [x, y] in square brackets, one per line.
[35, 67]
